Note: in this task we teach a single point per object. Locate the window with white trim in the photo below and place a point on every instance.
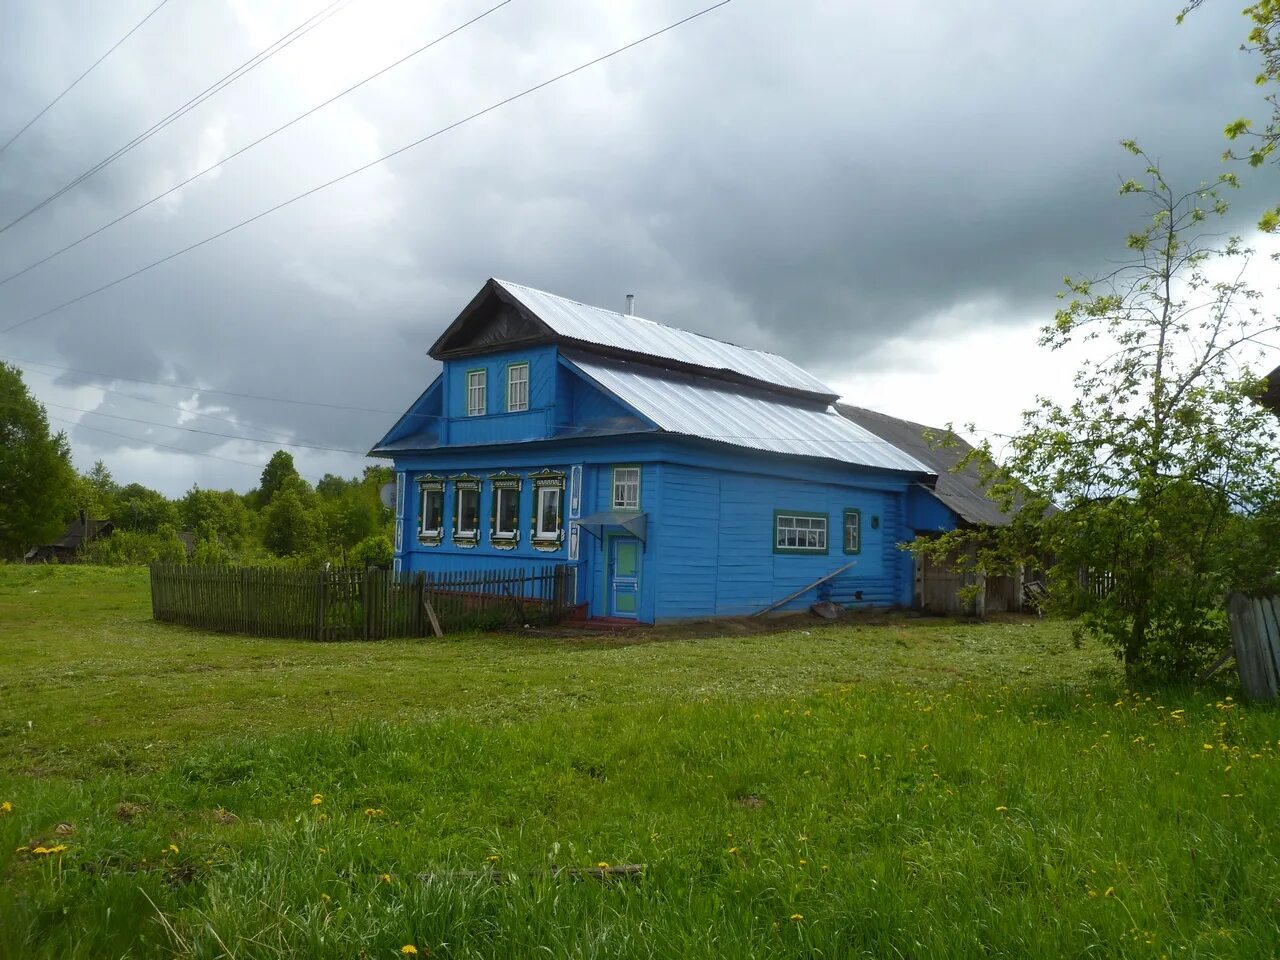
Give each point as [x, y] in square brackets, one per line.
[504, 522]
[477, 392]
[796, 532]
[852, 530]
[626, 488]
[431, 512]
[548, 509]
[466, 510]
[517, 387]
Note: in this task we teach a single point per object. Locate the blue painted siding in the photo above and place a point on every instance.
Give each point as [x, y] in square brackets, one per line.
[543, 369]
[717, 554]
[926, 513]
[710, 544]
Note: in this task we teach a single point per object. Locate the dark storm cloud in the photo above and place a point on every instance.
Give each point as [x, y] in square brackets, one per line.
[811, 178]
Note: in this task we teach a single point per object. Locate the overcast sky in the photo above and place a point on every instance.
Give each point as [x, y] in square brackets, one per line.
[889, 194]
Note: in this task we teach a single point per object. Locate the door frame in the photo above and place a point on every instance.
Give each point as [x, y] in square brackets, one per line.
[609, 540]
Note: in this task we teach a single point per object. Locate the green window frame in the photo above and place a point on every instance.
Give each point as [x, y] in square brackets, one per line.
[851, 530]
[801, 532]
[477, 392]
[517, 389]
[627, 485]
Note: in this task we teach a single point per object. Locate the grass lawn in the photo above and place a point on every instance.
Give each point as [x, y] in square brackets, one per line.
[907, 788]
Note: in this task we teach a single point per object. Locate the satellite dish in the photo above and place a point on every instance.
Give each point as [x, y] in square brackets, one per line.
[387, 494]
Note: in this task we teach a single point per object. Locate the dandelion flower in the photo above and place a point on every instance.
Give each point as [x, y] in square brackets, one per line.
[6, 807]
[1111, 892]
[493, 858]
[733, 849]
[384, 877]
[317, 799]
[173, 848]
[409, 950]
[797, 917]
[603, 865]
[1001, 809]
[325, 897]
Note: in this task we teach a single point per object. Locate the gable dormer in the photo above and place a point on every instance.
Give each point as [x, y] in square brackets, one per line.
[505, 316]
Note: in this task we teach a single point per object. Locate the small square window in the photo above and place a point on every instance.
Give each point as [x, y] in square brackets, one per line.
[626, 488]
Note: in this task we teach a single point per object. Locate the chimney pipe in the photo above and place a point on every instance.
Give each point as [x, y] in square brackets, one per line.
[631, 304]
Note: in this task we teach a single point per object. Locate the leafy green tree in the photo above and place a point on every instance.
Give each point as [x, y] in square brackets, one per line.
[97, 492]
[290, 526]
[215, 514]
[142, 509]
[37, 480]
[1250, 142]
[1162, 455]
[278, 470]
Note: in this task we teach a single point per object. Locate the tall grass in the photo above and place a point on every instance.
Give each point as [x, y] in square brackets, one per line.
[870, 820]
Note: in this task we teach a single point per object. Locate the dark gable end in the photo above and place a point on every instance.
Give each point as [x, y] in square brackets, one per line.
[497, 320]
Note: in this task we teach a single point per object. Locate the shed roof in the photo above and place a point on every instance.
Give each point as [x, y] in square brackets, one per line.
[962, 492]
[595, 328]
[708, 409]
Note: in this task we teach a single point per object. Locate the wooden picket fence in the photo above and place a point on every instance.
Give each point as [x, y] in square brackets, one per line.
[368, 604]
[1255, 641]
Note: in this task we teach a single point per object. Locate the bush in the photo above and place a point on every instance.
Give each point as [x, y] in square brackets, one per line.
[375, 551]
[131, 548]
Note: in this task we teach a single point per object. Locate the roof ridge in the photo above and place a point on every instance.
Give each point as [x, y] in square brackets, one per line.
[633, 316]
[890, 416]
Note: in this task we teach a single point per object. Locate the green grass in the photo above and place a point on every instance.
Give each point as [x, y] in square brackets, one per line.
[906, 788]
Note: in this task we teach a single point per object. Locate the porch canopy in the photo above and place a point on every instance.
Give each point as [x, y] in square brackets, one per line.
[633, 521]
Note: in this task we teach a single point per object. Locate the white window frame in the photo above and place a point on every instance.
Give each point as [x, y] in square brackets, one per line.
[548, 487]
[477, 392]
[517, 399]
[800, 532]
[626, 488]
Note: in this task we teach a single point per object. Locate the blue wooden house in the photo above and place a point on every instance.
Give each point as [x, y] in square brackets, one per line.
[678, 476]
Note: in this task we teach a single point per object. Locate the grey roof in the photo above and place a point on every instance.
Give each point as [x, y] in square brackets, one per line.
[962, 492]
[609, 328]
[711, 410]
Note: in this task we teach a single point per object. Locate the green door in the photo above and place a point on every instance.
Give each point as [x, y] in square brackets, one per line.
[624, 577]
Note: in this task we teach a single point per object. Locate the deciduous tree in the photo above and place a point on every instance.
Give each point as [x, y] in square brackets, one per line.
[37, 480]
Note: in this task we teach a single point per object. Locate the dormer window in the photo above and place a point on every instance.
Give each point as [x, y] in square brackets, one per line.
[477, 392]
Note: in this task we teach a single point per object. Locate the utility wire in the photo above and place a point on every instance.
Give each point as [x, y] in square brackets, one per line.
[160, 403]
[165, 446]
[250, 146]
[192, 387]
[207, 433]
[360, 169]
[255, 61]
[48, 106]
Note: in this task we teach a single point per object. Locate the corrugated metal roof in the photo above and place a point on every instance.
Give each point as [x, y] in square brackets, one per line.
[711, 410]
[963, 492]
[608, 328]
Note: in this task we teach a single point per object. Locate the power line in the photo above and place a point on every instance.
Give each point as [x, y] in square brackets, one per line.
[250, 146]
[48, 106]
[224, 393]
[253, 62]
[207, 433]
[161, 403]
[163, 446]
[360, 169]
